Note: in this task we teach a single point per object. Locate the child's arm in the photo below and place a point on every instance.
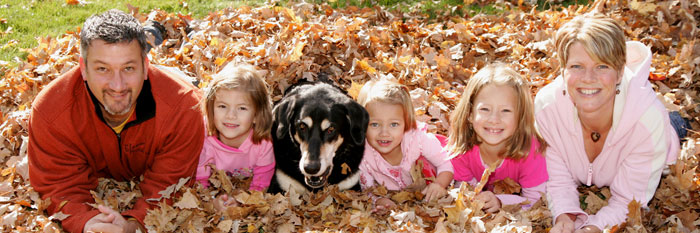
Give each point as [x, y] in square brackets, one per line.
[203, 169]
[531, 194]
[264, 167]
[438, 188]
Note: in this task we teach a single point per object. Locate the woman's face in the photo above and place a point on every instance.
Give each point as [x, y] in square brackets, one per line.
[590, 84]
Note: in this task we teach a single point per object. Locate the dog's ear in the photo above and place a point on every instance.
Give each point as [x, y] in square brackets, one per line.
[358, 119]
[282, 114]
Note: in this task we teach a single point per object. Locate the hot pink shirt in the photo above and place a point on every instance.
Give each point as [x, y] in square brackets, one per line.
[375, 170]
[530, 172]
[257, 160]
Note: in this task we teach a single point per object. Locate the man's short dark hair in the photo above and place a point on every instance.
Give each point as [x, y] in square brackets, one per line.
[113, 26]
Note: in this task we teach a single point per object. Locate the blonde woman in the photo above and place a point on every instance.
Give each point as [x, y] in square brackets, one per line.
[603, 123]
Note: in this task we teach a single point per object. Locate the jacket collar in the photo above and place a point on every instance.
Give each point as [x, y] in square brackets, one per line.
[145, 104]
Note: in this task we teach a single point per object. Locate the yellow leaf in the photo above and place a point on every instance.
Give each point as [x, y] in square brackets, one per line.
[214, 42]
[366, 66]
[354, 89]
[298, 51]
[220, 61]
[643, 7]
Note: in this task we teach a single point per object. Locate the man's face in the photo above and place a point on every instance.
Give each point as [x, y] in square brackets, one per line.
[115, 74]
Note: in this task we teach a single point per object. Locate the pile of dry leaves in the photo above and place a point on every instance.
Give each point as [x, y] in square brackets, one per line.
[433, 58]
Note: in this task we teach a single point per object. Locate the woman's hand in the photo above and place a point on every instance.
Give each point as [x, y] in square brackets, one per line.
[433, 191]
[382, 205]
[223, 201]
[491, 202]
[564, 224]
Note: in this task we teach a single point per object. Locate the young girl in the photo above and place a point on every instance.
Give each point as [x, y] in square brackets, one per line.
[493, 125]
[395, 142]
[238, 117]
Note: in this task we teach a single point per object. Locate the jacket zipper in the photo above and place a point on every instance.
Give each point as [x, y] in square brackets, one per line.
[590, 174]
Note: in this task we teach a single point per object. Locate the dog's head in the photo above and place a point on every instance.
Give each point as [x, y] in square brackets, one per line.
[320, 120]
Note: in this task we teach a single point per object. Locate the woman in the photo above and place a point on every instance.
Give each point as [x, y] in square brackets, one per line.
[604, 124]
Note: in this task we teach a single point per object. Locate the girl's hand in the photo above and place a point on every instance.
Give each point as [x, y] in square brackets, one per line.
[223, 201]
[382, 205]
[491, 202]
[564, 224]
[588, 229]
[433, 191]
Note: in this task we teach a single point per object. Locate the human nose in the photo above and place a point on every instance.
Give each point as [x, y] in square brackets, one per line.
[117, 82]
[231, 113]
[494, 117]
[383, 130]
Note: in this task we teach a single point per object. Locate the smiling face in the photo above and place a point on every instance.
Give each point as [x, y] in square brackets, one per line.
[233, 116]
[494, 114]
[386, 128]
[115, 73]
[590, 84]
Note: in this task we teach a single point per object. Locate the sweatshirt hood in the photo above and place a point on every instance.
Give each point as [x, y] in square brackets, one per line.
[636, 93]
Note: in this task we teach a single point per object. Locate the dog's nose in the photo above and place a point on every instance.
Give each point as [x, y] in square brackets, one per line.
[312, 167]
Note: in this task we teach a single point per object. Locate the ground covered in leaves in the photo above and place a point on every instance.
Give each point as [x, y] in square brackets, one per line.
[432, 57]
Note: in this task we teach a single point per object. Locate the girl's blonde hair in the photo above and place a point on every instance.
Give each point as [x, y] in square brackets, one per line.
[389, 92]
[242, 77]
[462, 136]
[602, 38]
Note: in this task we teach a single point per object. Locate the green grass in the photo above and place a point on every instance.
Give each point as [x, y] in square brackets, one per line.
[35, 18]
[29, 19]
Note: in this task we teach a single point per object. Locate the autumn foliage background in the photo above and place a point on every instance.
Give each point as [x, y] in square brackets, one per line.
[433, 58]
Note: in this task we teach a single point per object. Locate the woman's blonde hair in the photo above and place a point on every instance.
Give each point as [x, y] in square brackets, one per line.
[462, 136]
[389, 92]
[602, 38]
[242, 77]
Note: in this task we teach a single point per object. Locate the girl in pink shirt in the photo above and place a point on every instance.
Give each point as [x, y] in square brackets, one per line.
[395, 142]
[239, 119]
[494, 125]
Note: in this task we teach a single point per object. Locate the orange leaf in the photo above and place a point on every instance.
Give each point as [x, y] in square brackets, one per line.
[656, 77]
[72, 2]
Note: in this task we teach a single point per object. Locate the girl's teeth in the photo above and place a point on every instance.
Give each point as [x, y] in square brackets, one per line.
[589, 91]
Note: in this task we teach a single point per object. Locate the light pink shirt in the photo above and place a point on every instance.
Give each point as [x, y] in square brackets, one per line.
[530, 172]
[638, 146]
[375, 170]
[257, 160]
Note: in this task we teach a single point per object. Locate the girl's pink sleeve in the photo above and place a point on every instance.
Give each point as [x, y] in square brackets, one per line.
[366, 179]
[434, 153]
[203, 169]
[531, 194]
[461, 170]
[264, 168]
[533, 171]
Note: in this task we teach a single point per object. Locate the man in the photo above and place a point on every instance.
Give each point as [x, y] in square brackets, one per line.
[113, 117]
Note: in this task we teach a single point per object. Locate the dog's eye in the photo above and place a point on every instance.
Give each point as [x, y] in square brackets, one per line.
[302, 127]
[330, 130]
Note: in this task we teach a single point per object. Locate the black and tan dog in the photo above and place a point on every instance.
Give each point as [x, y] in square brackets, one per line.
[318, 133]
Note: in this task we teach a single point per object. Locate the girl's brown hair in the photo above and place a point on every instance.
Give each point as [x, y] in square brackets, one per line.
[462, 136]
[242, 77]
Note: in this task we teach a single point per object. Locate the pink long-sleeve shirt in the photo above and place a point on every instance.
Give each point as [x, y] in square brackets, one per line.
[257, 160]
[530, 172]
[639, 144]
[375, 170]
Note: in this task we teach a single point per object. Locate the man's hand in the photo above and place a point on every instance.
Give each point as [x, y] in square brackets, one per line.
[224, 201]
[491, 202]
[564, 224]
[110, 220]
[433, 191]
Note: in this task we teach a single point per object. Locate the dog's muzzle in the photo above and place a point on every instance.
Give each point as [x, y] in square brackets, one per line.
[318, 181]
